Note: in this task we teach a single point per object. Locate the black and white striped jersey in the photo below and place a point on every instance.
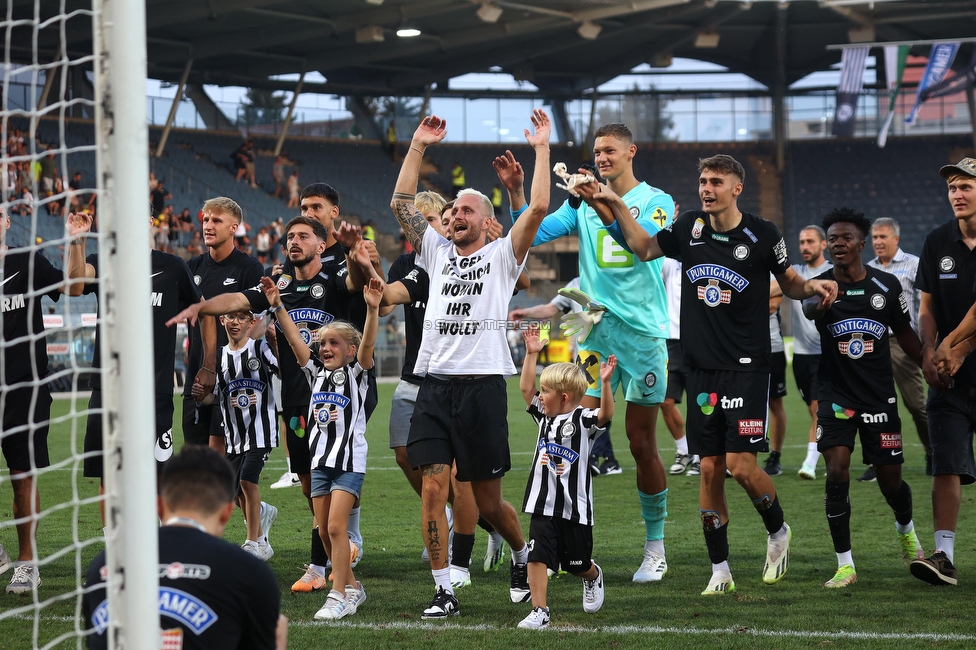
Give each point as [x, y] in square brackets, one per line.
[337, 416]
[559, 481]
[246, 398]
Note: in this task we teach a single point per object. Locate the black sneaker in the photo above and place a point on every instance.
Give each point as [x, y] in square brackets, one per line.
[594, 466]
[610, 466]
[773, 466]
[936, 570]
[868, 476]
[519, 590]
[444, 604]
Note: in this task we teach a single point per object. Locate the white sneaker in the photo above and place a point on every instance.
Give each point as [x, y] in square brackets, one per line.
[777, 557]
[5, 562]
[681, 462]
[253, 548]
[355, 596]
[807, 473]
[495, 552]
[269, 514]
[593, 592]
[721, 584]
[26, 577]
[652, 569]
[694, 469]
[538, 619]
[460, 577]
[265, 552]
[335, 607]
[288, 479]
[444, 604]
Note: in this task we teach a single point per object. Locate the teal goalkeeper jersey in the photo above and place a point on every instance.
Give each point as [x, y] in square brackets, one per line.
[609, 273]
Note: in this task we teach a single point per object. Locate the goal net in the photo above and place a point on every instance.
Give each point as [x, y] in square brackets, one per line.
[74, 138]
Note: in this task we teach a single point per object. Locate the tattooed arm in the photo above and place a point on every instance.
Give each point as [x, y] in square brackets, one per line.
[432, 130]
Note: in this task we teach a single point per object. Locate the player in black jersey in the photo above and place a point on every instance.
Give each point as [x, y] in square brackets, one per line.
[857, 387]
[212, 595]
[221, 269]
[25, 276]
[172, 291]
[726, 257]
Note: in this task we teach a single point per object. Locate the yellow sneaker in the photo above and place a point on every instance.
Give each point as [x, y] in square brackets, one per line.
[309, 582]
[845, 576]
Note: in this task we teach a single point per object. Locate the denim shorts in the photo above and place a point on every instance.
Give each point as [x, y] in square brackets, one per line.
[326, 480]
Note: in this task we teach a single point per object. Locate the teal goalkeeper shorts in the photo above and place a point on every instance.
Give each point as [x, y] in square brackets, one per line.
[642, 361]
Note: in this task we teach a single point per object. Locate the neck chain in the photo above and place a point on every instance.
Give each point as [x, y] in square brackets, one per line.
[185, 521]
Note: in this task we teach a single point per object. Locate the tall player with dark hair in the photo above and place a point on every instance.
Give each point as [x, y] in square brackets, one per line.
[857, 386]
[727, 256]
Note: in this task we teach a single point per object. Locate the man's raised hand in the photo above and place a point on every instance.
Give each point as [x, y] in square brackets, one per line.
[542, 129]
[509, 171]
[347, 234]
[431, 130]
[78, 223]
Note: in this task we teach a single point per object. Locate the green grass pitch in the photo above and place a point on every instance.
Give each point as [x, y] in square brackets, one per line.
[886, 608]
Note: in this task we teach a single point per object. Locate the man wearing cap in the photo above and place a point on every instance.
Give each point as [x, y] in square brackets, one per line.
[946, 273]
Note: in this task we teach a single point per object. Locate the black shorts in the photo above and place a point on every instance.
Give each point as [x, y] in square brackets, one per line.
[296, 437]
[838, 426]
[556, 542]
[805, 368]
[197, 422]
[19, 437]
[677, 371]
[777, 375]
[463, 421]
[727, 412]
[94, 466]
[248, 466]
[952, 420]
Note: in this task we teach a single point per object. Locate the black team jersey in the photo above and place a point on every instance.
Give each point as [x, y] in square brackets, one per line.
[311, 304]
[725, 289]
[333, 263]
[24, 278]
[855, 361]
[947, 270]
[417, 283]
[212, 595]
[172, 292]
[234, 274]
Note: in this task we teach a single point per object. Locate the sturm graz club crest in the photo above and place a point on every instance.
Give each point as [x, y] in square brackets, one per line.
[740, 252]
[946, 264]
[567, 430]
[339, 377]
[317, 291]
[650, 379]
[878, 301]
[253, 364]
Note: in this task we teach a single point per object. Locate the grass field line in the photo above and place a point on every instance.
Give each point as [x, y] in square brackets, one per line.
[615, 629]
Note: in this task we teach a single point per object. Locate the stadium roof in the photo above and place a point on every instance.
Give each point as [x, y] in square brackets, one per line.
[563, 47]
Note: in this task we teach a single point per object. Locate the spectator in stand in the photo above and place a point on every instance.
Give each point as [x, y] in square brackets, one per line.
[262, 244]
[457, 177]
[186, 226]
[162, 233]
[244, 159]
[369, 232]
[26, 205]
[195, 245]
[24, 178]
[153, 183]
[159, 196]
[174, 229]
[391, 140]
[15, 144]
[496, 199]
[294, 189]
[278, 174]
[49, 171]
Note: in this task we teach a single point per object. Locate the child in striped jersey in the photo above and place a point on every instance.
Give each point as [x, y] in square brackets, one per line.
[559, 495]
[337, 431]
[244, 395]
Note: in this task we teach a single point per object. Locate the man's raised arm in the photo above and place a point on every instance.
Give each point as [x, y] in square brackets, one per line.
[527, 225]
[600, 197]
[432, 130]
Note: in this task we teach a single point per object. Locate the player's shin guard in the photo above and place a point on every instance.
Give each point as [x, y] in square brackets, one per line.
[716, 536]
[837, 504]
[461, 548]
[484, 525]
[771, 512]
[318, 555]
[901, 503]
[654, 510]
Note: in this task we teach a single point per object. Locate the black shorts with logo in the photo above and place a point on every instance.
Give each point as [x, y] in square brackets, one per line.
[463, 420]
[554, 541]
[805, 368]
[94, 465]
[727, 412]
[25, 428]
[838, 426]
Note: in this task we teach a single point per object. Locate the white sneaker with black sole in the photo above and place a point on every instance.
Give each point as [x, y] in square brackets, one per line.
[593, 592]
[443, 605]
[681, 463]
[538, 619]
[519, 590]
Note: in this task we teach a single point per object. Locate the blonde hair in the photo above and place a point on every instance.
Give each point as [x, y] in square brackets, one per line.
[345, 329]
[429, 201]
[486, 206]
[565, 378]
[226, 205]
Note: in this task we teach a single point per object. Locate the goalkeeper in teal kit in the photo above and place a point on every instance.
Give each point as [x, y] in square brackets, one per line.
[626, 313]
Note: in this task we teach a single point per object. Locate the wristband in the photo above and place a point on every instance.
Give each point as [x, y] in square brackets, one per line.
[420, 151]
[78, 242]
[208, 370]
[273, 310]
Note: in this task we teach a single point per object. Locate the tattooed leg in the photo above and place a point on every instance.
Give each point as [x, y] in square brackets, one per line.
[436, 485]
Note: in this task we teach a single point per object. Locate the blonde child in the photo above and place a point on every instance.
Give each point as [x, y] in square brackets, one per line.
[559, 495]
[336, 432]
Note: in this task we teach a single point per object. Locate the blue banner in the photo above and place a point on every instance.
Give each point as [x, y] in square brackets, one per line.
[940, 61]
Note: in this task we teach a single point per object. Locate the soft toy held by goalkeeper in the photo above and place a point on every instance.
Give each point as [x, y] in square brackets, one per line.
[571, 180]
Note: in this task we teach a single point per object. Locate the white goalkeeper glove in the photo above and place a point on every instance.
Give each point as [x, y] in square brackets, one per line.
[580, 323]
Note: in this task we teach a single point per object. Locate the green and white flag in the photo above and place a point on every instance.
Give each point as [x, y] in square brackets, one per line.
[895, 57]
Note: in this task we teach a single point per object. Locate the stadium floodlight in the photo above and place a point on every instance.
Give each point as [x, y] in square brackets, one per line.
[589, 30]
[489, 12]
[374, 2]
[407, 32]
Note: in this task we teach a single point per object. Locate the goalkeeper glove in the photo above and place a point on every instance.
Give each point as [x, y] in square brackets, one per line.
[580, 323]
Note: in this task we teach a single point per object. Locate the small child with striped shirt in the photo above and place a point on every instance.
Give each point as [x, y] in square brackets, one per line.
[559, 495]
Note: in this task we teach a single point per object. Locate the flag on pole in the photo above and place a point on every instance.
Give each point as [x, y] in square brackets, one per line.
[852, 63]
[940, 61]
[954, 84]
[895, 58]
